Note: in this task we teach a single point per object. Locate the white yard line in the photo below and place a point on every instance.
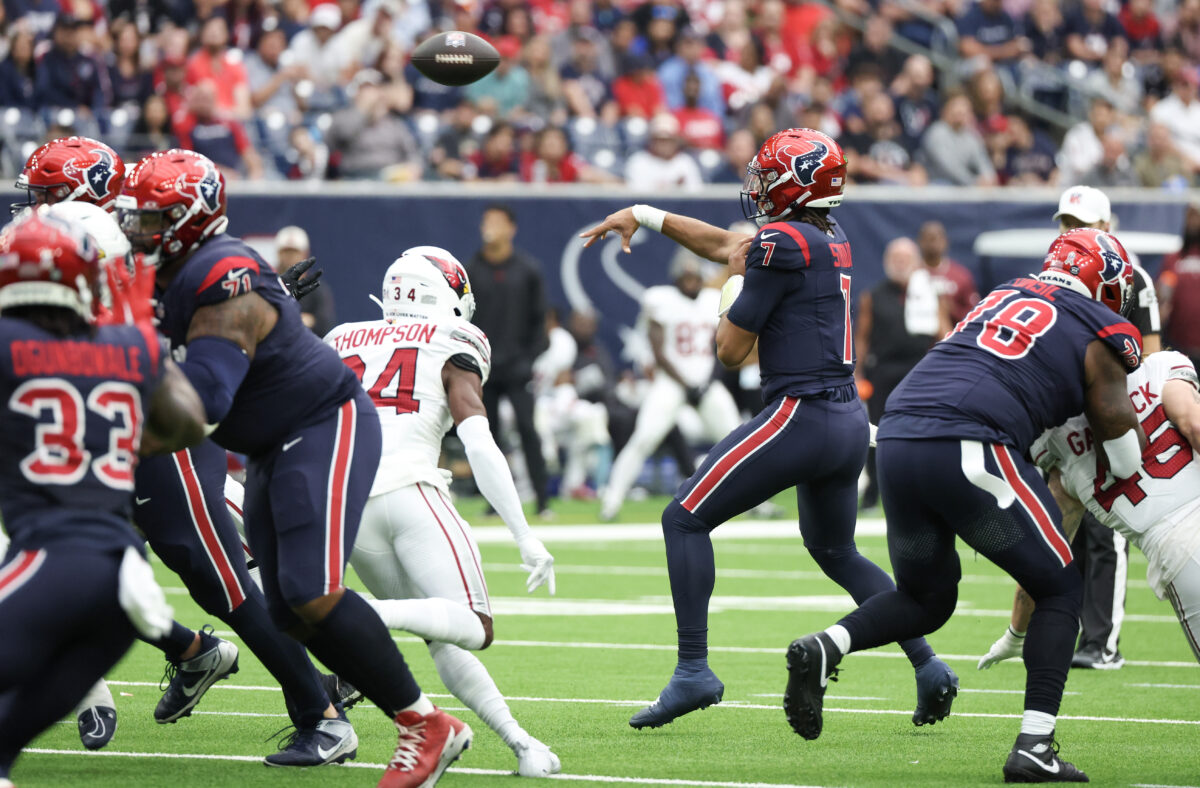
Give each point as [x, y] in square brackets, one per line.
[594, 778]
[1166, 686]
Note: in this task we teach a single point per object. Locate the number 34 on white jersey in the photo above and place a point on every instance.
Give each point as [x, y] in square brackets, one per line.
[400, 365]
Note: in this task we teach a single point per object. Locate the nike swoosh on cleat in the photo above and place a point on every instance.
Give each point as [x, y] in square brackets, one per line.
[290, 444]
[1051, 769]
[141, 501]
[98, 731]
[324, 754]
[192, 690]
[824, 680]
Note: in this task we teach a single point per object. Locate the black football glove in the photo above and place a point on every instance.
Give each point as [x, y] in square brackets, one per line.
[694, 394]
[291, 278]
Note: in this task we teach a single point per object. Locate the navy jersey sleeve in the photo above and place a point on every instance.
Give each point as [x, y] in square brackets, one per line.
[232, 276]
[777, 249]
[1114, 331]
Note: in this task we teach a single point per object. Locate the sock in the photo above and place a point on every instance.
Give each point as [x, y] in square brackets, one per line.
[1037, 723]
[283, 657]
[98, 695]
[422, 705]
[840, 637]
[177, 641]
[469, 681]
[862, 579]
[693, 574]
[434, 619]
[353, 643]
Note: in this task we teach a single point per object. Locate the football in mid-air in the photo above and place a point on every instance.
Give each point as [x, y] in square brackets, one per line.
[455, 58]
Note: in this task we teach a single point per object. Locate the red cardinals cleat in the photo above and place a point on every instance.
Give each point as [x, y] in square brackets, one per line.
[427, 746]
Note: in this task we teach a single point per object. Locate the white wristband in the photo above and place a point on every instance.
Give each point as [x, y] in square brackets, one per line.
[1124, 455]
[649, 217]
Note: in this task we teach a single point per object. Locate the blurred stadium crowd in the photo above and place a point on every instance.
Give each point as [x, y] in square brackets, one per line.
[659, 94]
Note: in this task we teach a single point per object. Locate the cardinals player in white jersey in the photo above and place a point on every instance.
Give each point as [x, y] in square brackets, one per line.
[681, 323]
[1157, 509]
[424, 365]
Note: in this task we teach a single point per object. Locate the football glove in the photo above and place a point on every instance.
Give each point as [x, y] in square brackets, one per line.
[291, 278]
[1008, 646]
[537, 561]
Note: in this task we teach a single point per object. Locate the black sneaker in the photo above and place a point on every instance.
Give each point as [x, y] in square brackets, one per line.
[1034, 759]
[341, 693]
[188, 680]
[97, 724]
[1097, 658]
[812, 663]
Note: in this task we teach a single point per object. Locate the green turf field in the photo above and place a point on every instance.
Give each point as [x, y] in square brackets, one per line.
[576, 666]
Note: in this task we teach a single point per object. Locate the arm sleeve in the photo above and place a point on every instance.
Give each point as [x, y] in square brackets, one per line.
[216, 368]
[491, 472]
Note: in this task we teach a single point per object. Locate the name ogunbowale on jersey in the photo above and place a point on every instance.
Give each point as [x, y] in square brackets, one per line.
[400, 365]
[1155, 507]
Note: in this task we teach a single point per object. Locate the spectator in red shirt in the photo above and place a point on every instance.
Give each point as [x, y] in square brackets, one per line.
[637, 91]
[552, 161]
[699, 127]
[1142, 29]
[1179, 290]
[497, 159]
[173, 83]
[221, 139]
[954, 283]
[215, 62]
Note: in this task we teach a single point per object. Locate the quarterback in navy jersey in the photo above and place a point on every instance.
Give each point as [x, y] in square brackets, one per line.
[81, 401]
[790, 293]
[952, 463]
[272, 390]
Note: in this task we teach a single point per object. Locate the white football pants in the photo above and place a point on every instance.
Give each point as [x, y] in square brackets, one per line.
[412, 544]
[1184, 593]
[657, 415]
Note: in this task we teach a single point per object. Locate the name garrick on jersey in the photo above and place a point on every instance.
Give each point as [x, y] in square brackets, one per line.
[402, 332]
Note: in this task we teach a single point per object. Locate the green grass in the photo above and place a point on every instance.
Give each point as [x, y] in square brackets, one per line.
[724, 743]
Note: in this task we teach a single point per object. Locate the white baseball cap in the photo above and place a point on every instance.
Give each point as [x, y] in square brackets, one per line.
[325, 15]
[1086, 204]
[292, 237]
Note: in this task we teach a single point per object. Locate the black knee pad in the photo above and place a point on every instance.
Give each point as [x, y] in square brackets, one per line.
[676, 518]
[938, 606]
[1061, 587]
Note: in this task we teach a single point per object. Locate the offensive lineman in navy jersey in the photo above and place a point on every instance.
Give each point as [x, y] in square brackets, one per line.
[272, 390]
[795, 302]
[80, 402]
[951, 458]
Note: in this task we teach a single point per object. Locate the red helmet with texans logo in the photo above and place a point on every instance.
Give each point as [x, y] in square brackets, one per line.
[1093, 263]
[171, 203]
[46, 260]
[71, 168]
[795, 168]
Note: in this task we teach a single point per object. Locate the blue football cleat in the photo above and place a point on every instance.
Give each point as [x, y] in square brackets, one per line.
[937, 687]
[812, 662]
[188, 680]
[97, 724]
[329, 741]
[691, 687]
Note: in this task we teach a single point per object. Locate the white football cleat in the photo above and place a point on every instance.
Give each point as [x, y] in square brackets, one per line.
[535, 759]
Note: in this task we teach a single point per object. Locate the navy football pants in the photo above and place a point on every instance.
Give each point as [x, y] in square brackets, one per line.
[61, 629]
[816, 445]
[997, 503]
[181, 509]
[303, 504]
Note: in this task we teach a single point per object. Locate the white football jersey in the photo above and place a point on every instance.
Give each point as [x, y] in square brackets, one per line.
[689, 328]
[400, 365]
[1152, 507]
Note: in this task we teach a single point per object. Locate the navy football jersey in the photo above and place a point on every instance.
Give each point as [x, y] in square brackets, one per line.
[796, 297]
[70, 427]
[1011, 369]
[294, 378]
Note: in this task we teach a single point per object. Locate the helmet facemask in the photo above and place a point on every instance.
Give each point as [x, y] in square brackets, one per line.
[757, 205]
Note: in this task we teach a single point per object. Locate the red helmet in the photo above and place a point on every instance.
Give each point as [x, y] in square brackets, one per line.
[171, 202]
[48, 261]
[793, 169]
[72, 168]
[1093, 263]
